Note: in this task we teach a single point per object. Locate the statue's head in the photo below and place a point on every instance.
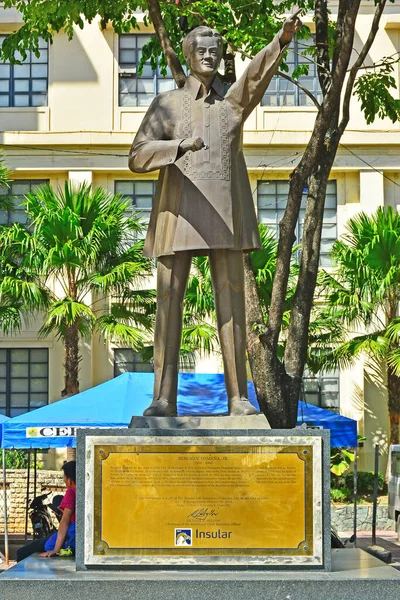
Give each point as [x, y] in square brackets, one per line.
[202, 49]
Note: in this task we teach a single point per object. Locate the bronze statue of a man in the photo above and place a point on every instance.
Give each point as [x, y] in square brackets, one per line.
[203, 204]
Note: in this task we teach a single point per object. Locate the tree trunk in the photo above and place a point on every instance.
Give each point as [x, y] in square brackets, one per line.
[278, 383]
[72, 359]
[277, 393]
[71, 345]
[297, 339]
[170, 55]
[229, 75]
[71, 453]
[394, 406]
[255, 327]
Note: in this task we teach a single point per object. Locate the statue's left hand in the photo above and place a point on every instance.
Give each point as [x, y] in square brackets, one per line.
[290, 26]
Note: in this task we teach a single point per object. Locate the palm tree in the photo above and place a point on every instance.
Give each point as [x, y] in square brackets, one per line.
[363, 295]
[10, 314]
[80, 259]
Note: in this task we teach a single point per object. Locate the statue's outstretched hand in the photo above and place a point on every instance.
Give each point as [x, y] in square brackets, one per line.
[193, 144]
[290, 26]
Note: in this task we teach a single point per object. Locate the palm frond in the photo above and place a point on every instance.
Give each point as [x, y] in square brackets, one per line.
[201, 338]
[125, 313]
[10, 319]
[120, 333]
[118, 278]
[28, 293]
[264, 265]
[393, 361]
[343, 356]
[145, 299]
[65, 313]
[5, 179]
[199, 298]
[393, 331]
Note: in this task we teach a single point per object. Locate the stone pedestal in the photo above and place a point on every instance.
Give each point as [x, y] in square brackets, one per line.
[206, 492]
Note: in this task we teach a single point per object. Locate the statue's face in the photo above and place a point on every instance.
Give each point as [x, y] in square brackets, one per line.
[205, 56]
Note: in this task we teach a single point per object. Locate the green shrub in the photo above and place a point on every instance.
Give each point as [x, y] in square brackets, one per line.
[342, 495]
[18, 459]
[365, 482]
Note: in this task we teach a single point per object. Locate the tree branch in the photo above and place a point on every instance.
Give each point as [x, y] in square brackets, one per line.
[358, 64]
[297, 339]
[287, 238]
[345, 27]
[394, 61]
[342, 8]
[167, 48]
[301, 87]
[287, 226]
[321, 38]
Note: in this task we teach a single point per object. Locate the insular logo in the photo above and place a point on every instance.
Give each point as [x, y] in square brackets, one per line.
[183, 537]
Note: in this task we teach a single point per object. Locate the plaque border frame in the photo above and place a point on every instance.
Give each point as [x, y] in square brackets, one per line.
[106, 451]
[319, 439]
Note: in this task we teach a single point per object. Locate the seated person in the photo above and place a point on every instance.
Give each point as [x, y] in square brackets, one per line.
[65, 536]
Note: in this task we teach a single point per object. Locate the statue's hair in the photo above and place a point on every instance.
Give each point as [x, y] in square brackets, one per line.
[191, 37]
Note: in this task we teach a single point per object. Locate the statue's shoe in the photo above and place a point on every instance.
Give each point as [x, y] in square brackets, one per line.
[241, 406]
[160, 408]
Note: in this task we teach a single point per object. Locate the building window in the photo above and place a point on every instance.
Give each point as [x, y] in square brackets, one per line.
[187, 363]
[135, 89]
[25, 84]
[322, 390]
[141, 194]
[282, 92]
[127, 360]
[17, 192]
[271, 201]
[24, 380]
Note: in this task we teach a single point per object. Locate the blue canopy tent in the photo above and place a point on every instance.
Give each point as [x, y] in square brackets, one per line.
[2, 419]
[343, 430]
[113, 403]
[110, 404]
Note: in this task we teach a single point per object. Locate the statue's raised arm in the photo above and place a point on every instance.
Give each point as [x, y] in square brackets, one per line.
[249, 89]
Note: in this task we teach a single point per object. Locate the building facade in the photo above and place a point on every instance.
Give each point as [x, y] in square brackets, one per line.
[72, 113]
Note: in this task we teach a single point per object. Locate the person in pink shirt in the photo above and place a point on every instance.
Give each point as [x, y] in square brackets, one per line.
[65, 536]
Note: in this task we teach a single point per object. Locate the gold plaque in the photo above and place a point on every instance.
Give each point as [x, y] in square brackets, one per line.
[203, 500]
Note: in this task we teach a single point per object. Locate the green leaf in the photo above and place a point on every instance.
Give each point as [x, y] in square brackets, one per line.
[373, 89]
[340, 468]
[120, 333]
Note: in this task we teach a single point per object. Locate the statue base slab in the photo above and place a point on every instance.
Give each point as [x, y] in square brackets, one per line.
[201, 422]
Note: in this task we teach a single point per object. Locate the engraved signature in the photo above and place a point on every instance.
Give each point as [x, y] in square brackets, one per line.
[201, 514]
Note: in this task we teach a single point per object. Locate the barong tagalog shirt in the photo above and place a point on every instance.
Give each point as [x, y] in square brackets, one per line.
[203, 199]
